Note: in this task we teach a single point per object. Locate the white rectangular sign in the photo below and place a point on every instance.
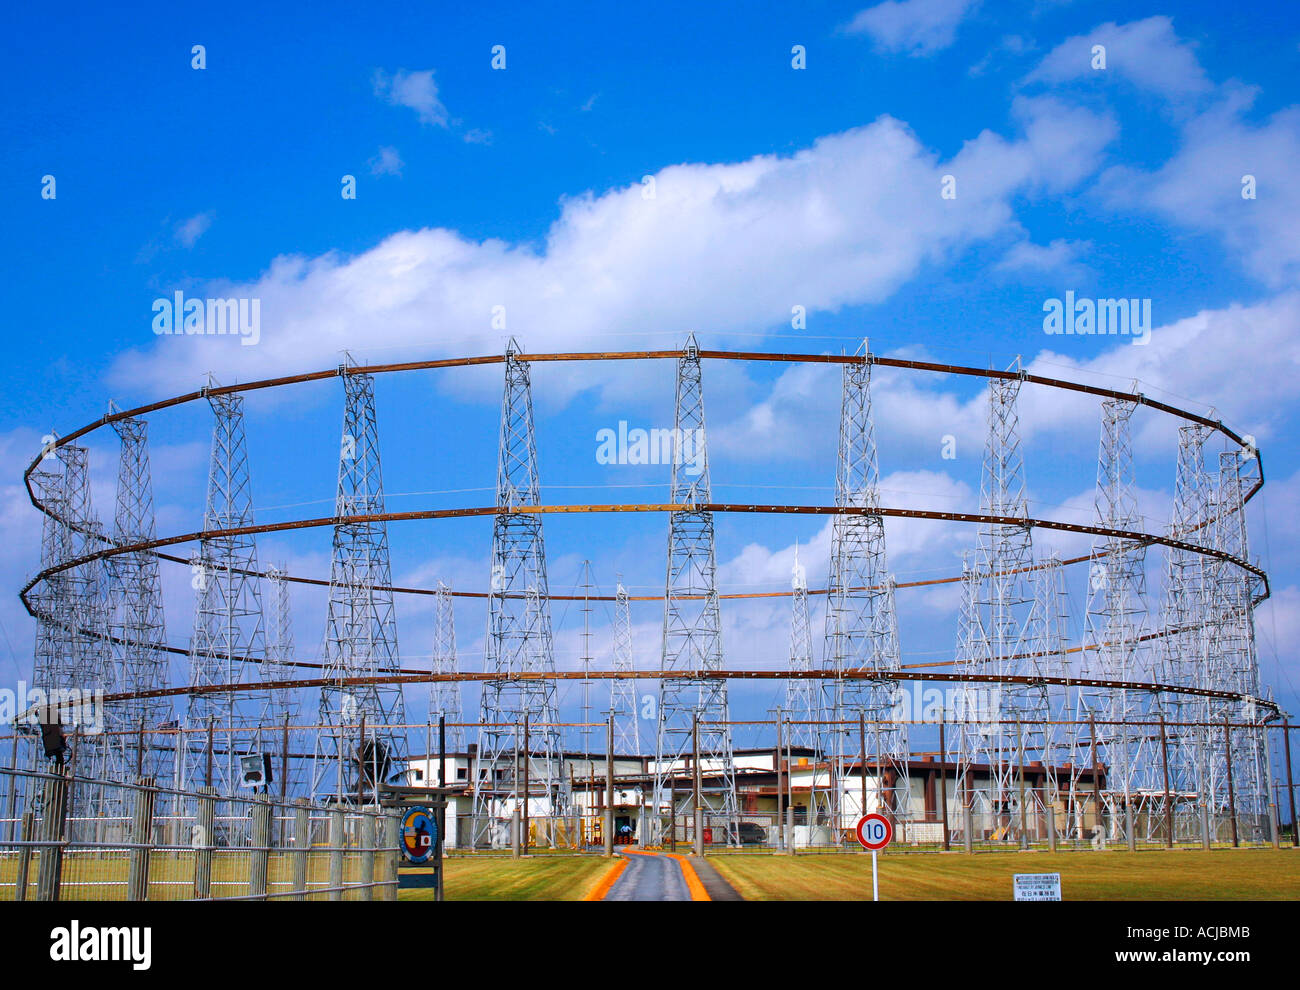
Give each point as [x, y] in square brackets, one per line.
[1038, 886]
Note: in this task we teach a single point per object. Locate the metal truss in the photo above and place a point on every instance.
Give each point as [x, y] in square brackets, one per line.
[800, 707]
[1208, 608]
[135, 606]
[1000, 628]
[229, 642]
[861, 626]
[358, 746]
[444, 696]
[1234, 760]
[73, 651]
[283, 713]
[1182, 653]
[622, 692]
[518, 633]
[1116, 627]
[692, 712]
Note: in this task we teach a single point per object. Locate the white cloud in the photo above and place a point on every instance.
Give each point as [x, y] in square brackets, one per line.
[916, 27]
[1148, 53]
[1060, 257]
[189, 231]
[1201, 186]
[386, 162]
[1247, 357]
[416, 90]
[725, 246]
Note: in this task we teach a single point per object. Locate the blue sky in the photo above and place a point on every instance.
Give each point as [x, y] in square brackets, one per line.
[775, 187]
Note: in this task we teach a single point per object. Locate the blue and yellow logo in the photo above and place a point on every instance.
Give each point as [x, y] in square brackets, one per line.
[419, 835]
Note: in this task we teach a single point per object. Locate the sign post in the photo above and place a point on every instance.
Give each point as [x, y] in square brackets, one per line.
[874, 833]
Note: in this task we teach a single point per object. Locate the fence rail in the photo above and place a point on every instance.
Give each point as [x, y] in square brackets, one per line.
[64, 837]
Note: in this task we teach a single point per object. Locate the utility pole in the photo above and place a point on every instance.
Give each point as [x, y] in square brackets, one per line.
[586, 660]
[609, 787]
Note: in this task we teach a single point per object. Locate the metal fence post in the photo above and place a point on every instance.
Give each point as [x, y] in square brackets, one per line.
[50, 869]
[609, 788]
[260, 856]
[336, 854]
[369, 839]
[1169, 801]
[25, 857]
[392, 855]
[204, 841]
[301, 848]
[1272, 793]
[1290, 781]
[1232, 796]
[137, 885]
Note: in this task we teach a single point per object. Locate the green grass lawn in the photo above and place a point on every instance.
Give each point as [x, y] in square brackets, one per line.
[1242, 874]
[543, 878]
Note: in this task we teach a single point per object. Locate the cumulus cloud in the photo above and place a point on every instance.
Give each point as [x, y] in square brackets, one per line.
[725, 246]
[914, 27]
[1060, 257]
[1148, 53]
[1211, 353]
[1203, 186]
[415, 90]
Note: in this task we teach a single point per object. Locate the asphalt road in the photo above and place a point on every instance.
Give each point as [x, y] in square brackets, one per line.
[648, 877]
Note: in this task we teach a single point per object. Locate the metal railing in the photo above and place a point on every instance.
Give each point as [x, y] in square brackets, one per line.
[64, 837]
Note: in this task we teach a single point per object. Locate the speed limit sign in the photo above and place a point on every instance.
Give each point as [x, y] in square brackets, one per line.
[874, 832]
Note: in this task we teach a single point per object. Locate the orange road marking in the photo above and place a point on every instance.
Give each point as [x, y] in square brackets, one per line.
[693, 884]
[607, 881]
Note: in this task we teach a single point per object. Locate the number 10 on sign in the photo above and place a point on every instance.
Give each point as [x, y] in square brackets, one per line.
[874, 832]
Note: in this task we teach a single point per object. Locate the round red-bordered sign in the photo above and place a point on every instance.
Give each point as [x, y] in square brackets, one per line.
[875, 831]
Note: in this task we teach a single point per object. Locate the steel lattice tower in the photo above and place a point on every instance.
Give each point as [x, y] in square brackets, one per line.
[692, 631]
[228, 644]
[1234, 665]
[444, 696]
[1000, 628]
[1187, 656]
[519, 626]
[1116, 628]
[360, 625]
[800, 705]
[283, 709]
[861, 630]
[622, 690]
[73, 650]
[1183, 649]
[136, 617]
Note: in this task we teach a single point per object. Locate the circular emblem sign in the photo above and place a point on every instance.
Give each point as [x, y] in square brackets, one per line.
[419, 834]
[875, 831]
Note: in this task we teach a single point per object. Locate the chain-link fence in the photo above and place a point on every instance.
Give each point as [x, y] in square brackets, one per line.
[64, 837]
